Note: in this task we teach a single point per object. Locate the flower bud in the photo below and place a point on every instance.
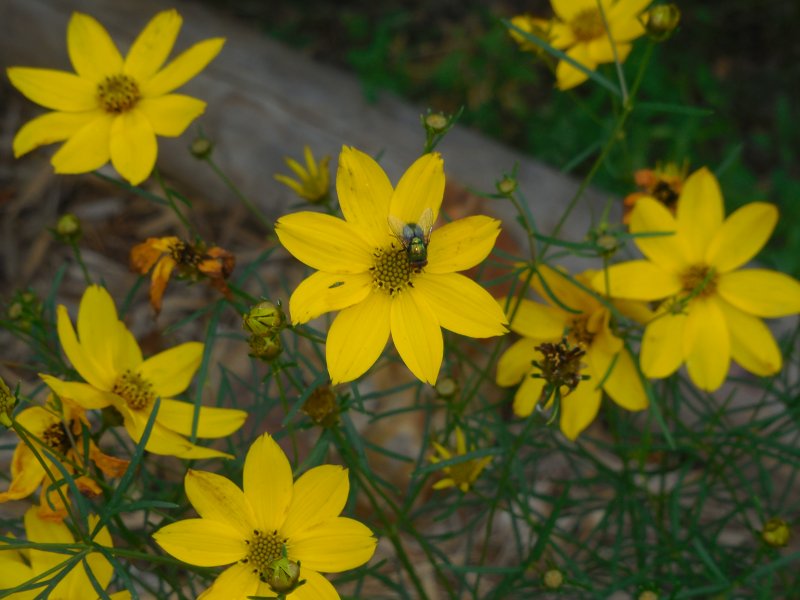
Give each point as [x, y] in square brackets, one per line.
[446, 387]
[553, 579]
[7, 402]
[776, 532]
[284, 577]
[507, 186]
[68, 228]
[436, 122]
[662, 21]
[265, 318]
[647, 595]
[201, 148]
[321, 406]
[266, 347]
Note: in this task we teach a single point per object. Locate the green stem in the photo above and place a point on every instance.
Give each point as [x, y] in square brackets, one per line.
[237, 192]
[79, 257]
[171, 201]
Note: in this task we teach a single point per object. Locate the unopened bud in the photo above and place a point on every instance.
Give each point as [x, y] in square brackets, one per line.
[446, 387]
[68, 228]
[201, 148]
[265, 347]
[284, 576]
[776, 532]
[436, 122]
[662, 21]
[7, 402]
[321, 406]
[507, 185]
[647, 595]
[553, 579]
[265, 318]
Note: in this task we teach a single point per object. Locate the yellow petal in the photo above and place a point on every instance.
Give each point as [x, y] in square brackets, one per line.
[237, 581]
[152, 46]
[623, 384]
[579, 408]
[100, 333]
[662, 346]
[561, 35]
[162, 440]
[761, 292]
[461, 305]
[87, 149]
[623, 19]
[567, 76]
[213, 422]
[267, 483]
[172, 370]
[217, 498]
[364, 194]
[741, 236]
[202, 542]
[50, 128]
[333, 546]
[316, 587]
[357, 337]
[57, 90]
[324, 242]
[461, 244]
[421, 187]
[600, 50]
[568, 9]
[752, 343]
[185, 66]
[561, 290]
[133, 146]
[706, 344]
[87, 396]
[535, 320]
[170, 115]
[515, 362]
[668, 251]
[27, 472]
[91, 50]
[528, 395]
[417, 335]
[98, 377]
[700, 213]
[324, 292]
[637, 280]
[319, 494]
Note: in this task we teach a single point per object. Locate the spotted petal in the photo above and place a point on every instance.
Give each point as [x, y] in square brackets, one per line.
[461, 244]
[324, 292]
[152, 46]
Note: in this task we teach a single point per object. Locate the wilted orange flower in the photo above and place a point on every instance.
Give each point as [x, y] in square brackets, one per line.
[194, 262]
[59, 430]
[664, 183]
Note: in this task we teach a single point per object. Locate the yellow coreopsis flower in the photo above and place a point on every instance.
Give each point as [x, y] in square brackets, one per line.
[313, 181]
[712, 309]
[387, 281]
[19, 567]
[585, 322]
[463, 474]
[61, 434]
[113, 108]
[580, 30]
[270, 529]
[109, 359]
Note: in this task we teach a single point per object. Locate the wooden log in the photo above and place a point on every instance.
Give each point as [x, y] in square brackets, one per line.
[266, 101]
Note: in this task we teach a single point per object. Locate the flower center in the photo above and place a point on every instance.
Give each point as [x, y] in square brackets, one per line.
[118, 93]
[263, 551]
[392, 271]
[135, 390]
[561, 364]
[700, 280]
[579, 332]
[587, 25]
[55, 437]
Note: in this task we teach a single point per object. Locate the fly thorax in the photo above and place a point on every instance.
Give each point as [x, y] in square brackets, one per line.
[700, 280]
[392, 270]
[118, 94]
[263, 549]
[137, 392]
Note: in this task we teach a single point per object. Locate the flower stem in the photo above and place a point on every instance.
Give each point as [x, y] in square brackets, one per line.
[238, 193]
[79, 257]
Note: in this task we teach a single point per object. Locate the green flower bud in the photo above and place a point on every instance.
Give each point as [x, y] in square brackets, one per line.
[201, 148]
[553, 579]
[68, 228]
[284, 577]
[264, 318]
[7, 402]
[662, 21]
[776, 532]
[265, 347]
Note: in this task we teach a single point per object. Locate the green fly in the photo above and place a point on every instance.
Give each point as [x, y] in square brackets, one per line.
[414, 237]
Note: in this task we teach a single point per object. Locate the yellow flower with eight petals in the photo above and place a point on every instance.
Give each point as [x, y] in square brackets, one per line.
[463, 474]
[113, 108]
[313, 180]
[270, 519]
[366, 273]
[19, 567]
[711, 310]
[109, 359]
[62, 436]
[580, 31]
[585, 322]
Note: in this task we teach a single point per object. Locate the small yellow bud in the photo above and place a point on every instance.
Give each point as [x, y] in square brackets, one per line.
[284, 576]
[265, 347]
[7, 402]
[265, 318]
[648, 595]
[68, 228]
[321, 406]
[661, 21]
[201, 148]
[553, 579]
[507, 185]
[776, 532]
[446, 387]
[436, 122]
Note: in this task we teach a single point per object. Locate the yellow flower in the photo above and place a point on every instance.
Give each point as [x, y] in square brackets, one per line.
[109, 359]
[194, 261]
[713, 309]
[534, 26]
[113, 108]
[368, 274]
[18, 567]
[271, 519]
[580, 31]
[585, 322]
[463, 474]
[60, 434]
[313, 180]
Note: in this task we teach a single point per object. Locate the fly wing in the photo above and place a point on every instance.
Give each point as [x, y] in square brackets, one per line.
[425, 223]
[397, 226]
